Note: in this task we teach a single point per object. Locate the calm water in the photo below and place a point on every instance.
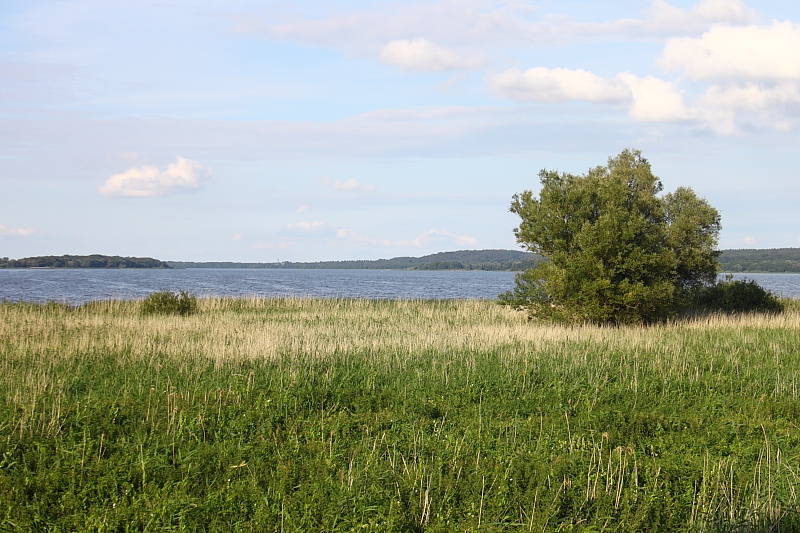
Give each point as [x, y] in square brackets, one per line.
[83, 285]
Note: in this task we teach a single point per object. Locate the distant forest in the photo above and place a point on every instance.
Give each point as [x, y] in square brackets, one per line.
[771, 260]
[508, 260]
[82, 261]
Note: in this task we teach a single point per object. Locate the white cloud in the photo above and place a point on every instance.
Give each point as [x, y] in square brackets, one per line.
[16, 232]
[352, 185]
[422, 54]
[649, 99]
[751, 53]
[236, 237]
[750, 241]
[541, 84]
[655, 100]
[148, 181]
[302, 208]
[752, 96]
[731, 11]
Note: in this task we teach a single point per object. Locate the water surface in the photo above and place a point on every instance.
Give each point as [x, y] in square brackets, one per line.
[82, 285]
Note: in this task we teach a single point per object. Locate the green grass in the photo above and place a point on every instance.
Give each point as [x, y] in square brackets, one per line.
[353, 415]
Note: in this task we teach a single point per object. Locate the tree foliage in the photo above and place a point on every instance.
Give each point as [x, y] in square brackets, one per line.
[617, 251]
[736, 296]
[82, 261]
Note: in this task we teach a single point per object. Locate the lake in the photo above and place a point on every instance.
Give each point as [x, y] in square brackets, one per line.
[78, 286]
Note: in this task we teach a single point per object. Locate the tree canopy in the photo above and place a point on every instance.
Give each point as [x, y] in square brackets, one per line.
[617, 250]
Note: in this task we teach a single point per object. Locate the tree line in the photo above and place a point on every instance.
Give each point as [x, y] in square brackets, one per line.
[770, 260]
[82, 261]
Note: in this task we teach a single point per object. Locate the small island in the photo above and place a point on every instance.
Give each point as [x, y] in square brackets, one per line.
[82, 261]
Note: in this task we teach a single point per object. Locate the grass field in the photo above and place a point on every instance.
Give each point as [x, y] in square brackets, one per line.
[355, 415]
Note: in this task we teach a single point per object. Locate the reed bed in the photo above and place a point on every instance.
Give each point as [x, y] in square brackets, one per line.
[338, 415]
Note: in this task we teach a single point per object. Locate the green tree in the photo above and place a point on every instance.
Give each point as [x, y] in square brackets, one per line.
[617, 251]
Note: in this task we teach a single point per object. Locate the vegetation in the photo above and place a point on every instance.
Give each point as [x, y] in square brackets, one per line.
[510, 260]
[772, 260]
[166, 302]
[778, 260]
[82, 261]
[616, 252]
[355, 415]
[735, 296]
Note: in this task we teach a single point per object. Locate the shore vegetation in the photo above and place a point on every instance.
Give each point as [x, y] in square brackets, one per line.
[368, 415]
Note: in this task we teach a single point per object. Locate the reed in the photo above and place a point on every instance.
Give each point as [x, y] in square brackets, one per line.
[332, 415]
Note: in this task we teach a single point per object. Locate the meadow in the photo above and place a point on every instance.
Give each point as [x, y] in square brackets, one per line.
[366, 415]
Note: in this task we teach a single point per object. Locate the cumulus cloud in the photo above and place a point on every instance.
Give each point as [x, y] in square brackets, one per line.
[16, 232]
[648, 99]
[752, 53]
[236, 237]
[422, 54]
[302, 208]
[752, 96]
[148, 181]
[754, 71]
[655, 100]
[541, 84]
[731, 11]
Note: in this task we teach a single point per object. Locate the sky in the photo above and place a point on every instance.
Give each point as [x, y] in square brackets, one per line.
[258, 131]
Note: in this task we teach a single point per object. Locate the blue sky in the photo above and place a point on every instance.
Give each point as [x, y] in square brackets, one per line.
[304, 131]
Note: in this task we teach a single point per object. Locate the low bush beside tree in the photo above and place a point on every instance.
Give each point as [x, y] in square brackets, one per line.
[735, 296]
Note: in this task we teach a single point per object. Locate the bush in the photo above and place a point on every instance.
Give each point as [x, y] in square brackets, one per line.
[166, 302]
[736, 296]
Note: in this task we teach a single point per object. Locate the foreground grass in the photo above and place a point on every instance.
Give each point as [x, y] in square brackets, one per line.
[354, 415]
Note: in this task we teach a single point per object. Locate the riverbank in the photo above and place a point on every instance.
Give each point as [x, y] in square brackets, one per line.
[304, 414]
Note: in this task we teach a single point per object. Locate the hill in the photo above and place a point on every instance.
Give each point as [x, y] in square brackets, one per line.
[765, 260]
[508, 260]
[746, 260]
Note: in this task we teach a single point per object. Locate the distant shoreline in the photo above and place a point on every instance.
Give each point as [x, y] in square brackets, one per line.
[749, 261]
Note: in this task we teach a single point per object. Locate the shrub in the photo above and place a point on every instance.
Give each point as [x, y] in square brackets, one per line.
[166, 302]
[736, 296]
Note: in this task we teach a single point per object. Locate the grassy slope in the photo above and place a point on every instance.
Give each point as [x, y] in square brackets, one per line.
[341, 415]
